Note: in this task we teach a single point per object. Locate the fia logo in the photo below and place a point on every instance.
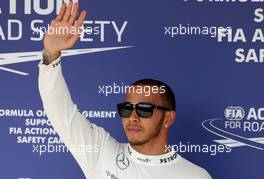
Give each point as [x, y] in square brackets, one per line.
[234, 113]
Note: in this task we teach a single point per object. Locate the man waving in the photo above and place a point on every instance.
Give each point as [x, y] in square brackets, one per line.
[146, 118]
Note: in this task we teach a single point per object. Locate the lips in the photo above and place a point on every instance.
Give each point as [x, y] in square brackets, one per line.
[134, 128]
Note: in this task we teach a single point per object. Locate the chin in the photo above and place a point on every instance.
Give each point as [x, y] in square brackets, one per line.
[137, 141]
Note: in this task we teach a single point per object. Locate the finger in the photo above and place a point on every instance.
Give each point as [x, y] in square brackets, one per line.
[74, 13]
[68, 12]
[72, 40]
[61, 13]
[80, 20]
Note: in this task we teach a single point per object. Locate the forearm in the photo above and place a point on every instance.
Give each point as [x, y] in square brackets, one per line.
[55, 95]
[64, 116]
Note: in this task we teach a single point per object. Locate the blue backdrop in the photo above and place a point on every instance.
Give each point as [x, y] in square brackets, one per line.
[207, 79]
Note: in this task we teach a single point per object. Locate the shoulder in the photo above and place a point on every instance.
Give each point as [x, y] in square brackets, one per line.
[192, 170]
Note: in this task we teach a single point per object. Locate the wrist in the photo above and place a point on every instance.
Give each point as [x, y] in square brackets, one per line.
[49, 56]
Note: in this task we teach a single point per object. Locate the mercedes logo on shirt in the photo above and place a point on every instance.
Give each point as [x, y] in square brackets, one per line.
[122, 161]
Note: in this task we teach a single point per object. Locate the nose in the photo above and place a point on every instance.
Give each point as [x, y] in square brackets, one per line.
[134, 117]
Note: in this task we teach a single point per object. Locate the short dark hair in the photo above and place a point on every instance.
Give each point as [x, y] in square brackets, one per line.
[168, 96]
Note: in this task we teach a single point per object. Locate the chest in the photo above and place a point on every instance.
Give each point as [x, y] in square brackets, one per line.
[119, 166]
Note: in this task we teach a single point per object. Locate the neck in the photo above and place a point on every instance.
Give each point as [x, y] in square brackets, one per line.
[153, 147]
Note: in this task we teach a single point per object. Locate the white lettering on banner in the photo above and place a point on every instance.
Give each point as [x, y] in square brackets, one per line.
[13, 26]
[259, 17]
[37, 122]
[99, 114]
[252, 55]
[258, 36]
[95, 29]
[55, 140]
[48, 10]
[35, 131]
[102, 25]
[233, 124]
[37, 30]
[15, 130]
[237, 36]
[2, 35]
[100, 29]
[16, 113]
[35, 4]
[119, 32]
[40, 113]
[256, 115]
[254, 126]
[40, 131]
[91, 29]
[254, 123]
[19, 35]
[30, 139]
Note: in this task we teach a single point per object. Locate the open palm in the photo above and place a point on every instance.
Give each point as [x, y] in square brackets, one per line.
[65, 30]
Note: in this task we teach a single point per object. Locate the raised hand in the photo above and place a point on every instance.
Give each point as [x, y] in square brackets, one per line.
[64, 31]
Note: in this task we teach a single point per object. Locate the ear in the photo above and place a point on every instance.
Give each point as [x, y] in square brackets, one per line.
[170, 117]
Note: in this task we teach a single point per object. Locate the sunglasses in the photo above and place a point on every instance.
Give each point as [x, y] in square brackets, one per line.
[144, 110]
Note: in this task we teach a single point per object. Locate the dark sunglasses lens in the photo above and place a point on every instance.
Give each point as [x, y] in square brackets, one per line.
[124, 109]
[144, 110]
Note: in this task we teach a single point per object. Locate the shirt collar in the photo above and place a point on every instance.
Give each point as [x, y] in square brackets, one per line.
[152, 160]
